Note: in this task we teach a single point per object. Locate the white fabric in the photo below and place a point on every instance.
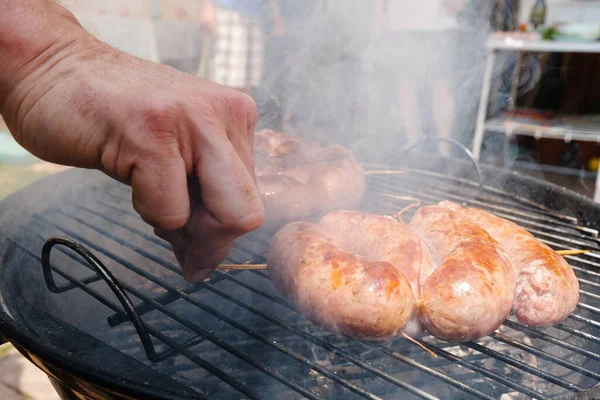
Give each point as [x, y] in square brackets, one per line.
[238, 50]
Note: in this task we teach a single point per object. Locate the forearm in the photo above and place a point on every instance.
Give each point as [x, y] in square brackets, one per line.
[32, 33]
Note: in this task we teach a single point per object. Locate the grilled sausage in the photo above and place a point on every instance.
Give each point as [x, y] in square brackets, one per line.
[471, 292]
[299, 179]
[383, 238]
[547, 288]
[347, 273]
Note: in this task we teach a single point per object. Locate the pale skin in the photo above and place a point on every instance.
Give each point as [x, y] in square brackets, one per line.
[72, 100]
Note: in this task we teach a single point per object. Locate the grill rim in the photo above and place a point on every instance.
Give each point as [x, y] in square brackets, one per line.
[49, 358]
[53, 362]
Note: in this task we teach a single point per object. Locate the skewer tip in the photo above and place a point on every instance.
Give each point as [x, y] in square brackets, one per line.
[419, 344]
[571, 252]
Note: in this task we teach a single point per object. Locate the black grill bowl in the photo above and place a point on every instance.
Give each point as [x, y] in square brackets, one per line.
[235, 337]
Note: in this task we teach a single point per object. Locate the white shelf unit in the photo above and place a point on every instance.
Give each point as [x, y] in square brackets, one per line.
[586, 131]
[574, 129]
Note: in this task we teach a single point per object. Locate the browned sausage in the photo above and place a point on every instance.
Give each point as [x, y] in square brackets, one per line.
[299, 179]
[471, 292]
[382, 238]
[547, 288]
[347, 272]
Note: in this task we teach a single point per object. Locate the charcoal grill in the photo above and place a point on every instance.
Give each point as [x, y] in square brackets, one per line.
[126, 324]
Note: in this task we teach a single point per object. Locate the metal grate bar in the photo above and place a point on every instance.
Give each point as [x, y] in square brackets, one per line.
[544, 355]
[174, 347]
[324, 371]
[485, 372]
[154, 239]
[527, 368]
[518, 364]
[536, 232]
[440, 375]
[280, 301]
[585, 281]
[560, 230]
[587, 307]
[506, 340]
[509, 199]
[85, 281]
[443, 179]
[244, 305]
[534, 334]
[540, 211]
[144, 308]
[248, 307]
[590, 263]
[151, 238]
[406, 360]
[579, 333]
[435, 196]
[507, 213]
[170, 297]
[72, 281]
[587, 321]
[167, 297]
[330, 347]
[589, 294]
[159, 356]
[587, 262]
[183, 321]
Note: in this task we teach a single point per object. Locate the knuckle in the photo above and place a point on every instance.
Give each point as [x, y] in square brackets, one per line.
[252, 116]
[239, 104]
[161, 118]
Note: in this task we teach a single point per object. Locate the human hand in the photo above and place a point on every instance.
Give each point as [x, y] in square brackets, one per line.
[185, 145]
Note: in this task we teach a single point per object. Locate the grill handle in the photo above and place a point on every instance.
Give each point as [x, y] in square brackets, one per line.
[456, 144]
[110, 280]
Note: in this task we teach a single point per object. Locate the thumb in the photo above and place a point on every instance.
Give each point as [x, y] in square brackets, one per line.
[160, 194]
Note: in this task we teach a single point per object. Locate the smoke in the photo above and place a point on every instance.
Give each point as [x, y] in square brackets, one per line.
[376, 79]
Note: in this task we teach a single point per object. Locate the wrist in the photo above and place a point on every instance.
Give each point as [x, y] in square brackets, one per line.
[34, 34]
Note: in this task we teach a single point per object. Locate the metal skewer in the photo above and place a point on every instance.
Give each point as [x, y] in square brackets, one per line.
[571, 252]
[249, 267]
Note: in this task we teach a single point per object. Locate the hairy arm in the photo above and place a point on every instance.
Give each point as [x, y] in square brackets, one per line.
[185, 145]
[32, 33]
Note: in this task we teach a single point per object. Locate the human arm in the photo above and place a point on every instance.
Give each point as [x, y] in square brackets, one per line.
[70, 99]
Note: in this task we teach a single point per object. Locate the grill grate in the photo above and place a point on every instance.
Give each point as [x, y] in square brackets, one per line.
[235, 335]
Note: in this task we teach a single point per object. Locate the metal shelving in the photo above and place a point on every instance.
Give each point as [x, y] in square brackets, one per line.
[566, 128]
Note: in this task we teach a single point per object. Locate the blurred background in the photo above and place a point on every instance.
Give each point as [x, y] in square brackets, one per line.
[515, 81]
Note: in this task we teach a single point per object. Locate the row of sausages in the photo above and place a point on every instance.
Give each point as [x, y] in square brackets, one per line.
[454, 272]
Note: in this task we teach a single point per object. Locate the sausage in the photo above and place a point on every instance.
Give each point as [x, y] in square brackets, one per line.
[341, 275]
[547, 288]
[472, 290]
[300, 180]
[382, 238]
